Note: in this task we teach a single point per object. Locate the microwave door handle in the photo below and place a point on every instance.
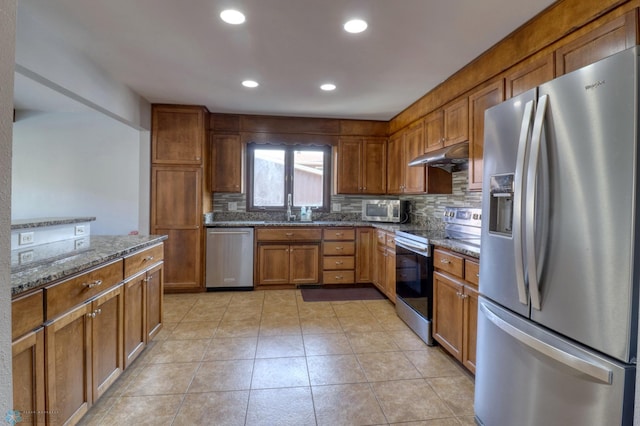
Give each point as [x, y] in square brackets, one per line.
[530, 219]
[519, 187]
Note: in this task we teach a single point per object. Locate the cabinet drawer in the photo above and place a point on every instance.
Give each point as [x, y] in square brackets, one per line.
[339, 234]
[143, 259]
[27, 314]
[390, 240]
[289, 234]
[338, 262]
[471, 272]
[449, 262]
[338, 248]
[338, 277]
[74, 291]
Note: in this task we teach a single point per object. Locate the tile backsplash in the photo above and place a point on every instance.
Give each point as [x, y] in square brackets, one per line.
[425, 210]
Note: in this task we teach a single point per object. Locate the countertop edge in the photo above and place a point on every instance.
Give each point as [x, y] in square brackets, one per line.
[48, 221]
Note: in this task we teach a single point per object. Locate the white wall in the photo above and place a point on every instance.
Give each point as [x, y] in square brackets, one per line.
[7, 36]
[79, 164]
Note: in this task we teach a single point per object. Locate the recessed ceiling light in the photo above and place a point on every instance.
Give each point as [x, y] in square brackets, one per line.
[327, 87]
[232, 17]
[250, 83]
[355, 26]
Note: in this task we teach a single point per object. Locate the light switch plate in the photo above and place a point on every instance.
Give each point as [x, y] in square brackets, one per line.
[337, 207]
[232, 206]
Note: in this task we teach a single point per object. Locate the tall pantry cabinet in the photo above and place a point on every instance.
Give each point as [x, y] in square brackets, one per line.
[180, 192]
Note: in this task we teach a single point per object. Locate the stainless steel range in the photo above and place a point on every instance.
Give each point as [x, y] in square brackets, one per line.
[414, 265]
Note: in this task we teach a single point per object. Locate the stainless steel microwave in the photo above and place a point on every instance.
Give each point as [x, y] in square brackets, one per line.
[383, 211]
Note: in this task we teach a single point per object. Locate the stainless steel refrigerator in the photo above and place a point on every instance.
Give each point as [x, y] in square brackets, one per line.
[559, 269]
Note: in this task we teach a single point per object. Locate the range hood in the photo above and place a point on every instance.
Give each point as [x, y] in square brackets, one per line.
[451, 158]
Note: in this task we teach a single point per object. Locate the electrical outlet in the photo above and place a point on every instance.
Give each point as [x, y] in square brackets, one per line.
[80, 230]
[337, 207]
[232, 206]
[25, 257]
[25, 238]
[78, 244]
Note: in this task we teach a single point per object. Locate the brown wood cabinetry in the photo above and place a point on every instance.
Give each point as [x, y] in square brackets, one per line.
[455, 305]
[338, 255]
[385, 264]
[434, 131]
[28, 357]
[361, 163]
[529, 74]
[287, 257]
[180, 194]
[479, 101]
[609, 38]
[365, 248]
[456, 122]
[228, 154]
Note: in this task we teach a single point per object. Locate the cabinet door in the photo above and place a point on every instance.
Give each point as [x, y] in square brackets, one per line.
[304, 264]
[273, 264]
[413, 147]
[434, 131]
[155, 300]
[612, 37]
[529, 74]
[365, 246]
[390, 272]
[374, 166]
[456, 122]
[349, 165]
[107, 331]
[176, 197]
[177, 135]
[469, 328]
[28, 377]
[182, 258]
[478, 103]
[228, 158]
[395, 168]
[68, 358]
[380, 274]
[134, 317]
[447, 313]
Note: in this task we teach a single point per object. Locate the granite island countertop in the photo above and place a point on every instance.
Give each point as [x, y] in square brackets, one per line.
[101, 249]
[48, 221]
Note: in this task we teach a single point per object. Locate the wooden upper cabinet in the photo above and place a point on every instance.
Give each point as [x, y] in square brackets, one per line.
[395, 169]
[361, 165]
[177, 197]
[479, 101]
[612, 37]
[456, 122]
[413, 147]
[529, 74]
[177, 134]
[227, 163]
[434, 131]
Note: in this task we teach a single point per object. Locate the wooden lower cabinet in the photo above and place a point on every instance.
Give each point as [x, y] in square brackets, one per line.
[384, 276]
[154, 301]
[365, 248]
[182, 252]
[29, 377]
[282, 264]
[455, 306]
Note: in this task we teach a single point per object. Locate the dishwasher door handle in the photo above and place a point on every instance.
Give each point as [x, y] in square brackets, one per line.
[229, 232]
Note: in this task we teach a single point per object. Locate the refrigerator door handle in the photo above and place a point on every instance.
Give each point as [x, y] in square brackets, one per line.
[519, 188]
[595, 371]
[529, 215]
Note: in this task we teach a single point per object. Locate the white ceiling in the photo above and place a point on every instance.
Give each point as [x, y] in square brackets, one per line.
[172, 51]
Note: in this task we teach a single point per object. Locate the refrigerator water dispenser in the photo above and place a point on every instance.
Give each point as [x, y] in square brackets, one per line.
[501, 205]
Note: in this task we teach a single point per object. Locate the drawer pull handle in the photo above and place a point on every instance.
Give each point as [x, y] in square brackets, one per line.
[339, 262]
[339, 277]
[338, 234]
[289, 234]
[338, 248]
[478, 275]
[94, 313]
[148, 258]
[445, 260]
[93, 284]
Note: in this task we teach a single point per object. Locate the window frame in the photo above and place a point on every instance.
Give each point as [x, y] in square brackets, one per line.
[289, 173]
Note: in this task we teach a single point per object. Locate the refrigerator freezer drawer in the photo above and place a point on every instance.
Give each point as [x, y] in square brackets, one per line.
[526, 375]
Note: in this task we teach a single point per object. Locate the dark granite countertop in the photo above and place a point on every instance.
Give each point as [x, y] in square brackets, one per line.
[457, 246]
[48, 221]
[100, 249]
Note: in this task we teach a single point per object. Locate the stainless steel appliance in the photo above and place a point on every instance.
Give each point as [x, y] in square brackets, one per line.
[414, 266]
[384, 211]
[229, 258]
[559, 271]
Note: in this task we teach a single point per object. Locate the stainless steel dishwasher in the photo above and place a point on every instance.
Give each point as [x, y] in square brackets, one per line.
[229, 258]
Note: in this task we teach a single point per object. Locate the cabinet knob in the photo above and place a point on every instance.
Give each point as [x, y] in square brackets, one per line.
[148, 258]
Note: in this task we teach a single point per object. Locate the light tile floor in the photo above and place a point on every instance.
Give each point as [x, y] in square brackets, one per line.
[269, 358]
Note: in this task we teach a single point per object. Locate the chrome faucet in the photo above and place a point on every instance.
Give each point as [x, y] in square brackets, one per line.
[290, 216]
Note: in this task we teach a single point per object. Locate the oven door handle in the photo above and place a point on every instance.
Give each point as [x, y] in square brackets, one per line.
[420, 249]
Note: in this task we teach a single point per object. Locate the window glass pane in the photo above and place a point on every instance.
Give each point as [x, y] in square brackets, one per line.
[308, 180]
[268, 177]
